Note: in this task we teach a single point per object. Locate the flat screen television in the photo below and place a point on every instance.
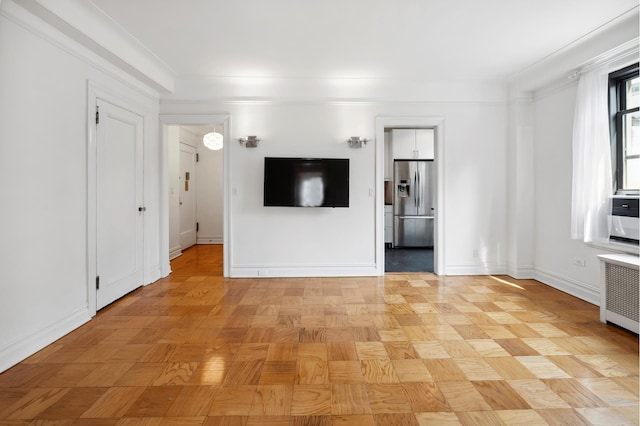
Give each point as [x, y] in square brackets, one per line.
[306, 182]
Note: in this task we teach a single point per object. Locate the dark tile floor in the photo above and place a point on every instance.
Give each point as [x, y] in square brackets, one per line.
[408, 260]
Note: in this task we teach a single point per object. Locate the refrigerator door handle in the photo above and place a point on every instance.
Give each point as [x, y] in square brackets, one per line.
[416, 192]
[419, 190]
[416, 217]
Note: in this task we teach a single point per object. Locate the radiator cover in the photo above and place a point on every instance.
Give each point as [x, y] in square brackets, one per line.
[620, 291]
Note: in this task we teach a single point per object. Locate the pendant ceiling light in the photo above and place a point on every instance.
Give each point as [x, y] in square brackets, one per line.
[213, 141]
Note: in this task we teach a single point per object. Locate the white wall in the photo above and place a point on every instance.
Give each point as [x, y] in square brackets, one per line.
[520, 187]
[43, 180]
[555, 253]
[209, 195]
[43, 183]
[544, 92]
[294, 241]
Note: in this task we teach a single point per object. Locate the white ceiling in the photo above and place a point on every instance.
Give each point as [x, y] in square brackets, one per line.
[384, 39]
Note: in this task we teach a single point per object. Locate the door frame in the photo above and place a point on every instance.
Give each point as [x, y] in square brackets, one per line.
[194, 120]
[412, 122]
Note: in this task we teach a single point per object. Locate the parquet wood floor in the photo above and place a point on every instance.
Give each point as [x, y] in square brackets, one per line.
[404, 349]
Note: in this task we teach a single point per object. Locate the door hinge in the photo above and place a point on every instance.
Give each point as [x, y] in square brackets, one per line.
[97, 115]
[98, 282]
[197, 226]
[197, 157]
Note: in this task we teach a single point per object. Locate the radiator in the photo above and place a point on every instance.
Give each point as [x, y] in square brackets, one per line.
[620, 291]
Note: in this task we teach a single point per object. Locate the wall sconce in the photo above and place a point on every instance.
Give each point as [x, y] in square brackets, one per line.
[357, 141]
[249, 141]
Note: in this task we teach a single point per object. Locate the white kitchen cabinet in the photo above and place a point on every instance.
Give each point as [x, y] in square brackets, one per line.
[403, 143]
[425, 144]
[408, 144]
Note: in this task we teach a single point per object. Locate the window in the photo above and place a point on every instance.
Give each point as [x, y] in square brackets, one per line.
[624, 100]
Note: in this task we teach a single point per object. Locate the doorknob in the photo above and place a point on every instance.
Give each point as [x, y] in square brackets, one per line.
[142, 209]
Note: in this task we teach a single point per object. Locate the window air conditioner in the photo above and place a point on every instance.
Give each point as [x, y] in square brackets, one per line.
[625, 222]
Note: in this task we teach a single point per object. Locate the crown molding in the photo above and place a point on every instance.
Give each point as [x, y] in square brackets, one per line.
[230, 90]
[619, 57]
[84, 23]
[616, 58]
[552, 71]
[26, 20]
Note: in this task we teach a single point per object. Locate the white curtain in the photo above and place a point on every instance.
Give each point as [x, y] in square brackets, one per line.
[592, 177]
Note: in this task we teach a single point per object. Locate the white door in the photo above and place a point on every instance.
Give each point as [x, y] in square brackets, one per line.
[188, 225]
[119, 204]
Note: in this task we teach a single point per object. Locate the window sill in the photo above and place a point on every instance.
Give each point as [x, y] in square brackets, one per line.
[615, 247]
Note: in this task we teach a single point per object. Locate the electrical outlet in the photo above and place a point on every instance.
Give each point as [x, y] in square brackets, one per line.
[475, 253]
[579, 262]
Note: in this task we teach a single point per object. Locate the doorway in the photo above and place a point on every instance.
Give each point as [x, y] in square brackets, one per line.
[195, 187]
[212, 212]
[428, 257]
[409, 199]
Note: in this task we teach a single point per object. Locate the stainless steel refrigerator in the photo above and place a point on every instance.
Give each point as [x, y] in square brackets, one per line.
[413, 204]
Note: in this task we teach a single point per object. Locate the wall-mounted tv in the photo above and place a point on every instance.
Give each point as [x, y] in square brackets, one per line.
[306, 182]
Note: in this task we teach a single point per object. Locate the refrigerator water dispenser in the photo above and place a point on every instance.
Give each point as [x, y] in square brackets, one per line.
[403, 189]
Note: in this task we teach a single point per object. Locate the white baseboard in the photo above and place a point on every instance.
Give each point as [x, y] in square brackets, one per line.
[209, 240]
[281, 271]
[175, 252]
[271, 271]
[481, 269]
[155, 275]
[22, 348]
[568, 285]
[525, 272]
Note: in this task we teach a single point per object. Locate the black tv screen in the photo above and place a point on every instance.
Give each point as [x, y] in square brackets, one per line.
[306, 182]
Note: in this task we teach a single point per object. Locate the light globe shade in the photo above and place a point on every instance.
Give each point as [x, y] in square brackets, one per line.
[212, 141]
